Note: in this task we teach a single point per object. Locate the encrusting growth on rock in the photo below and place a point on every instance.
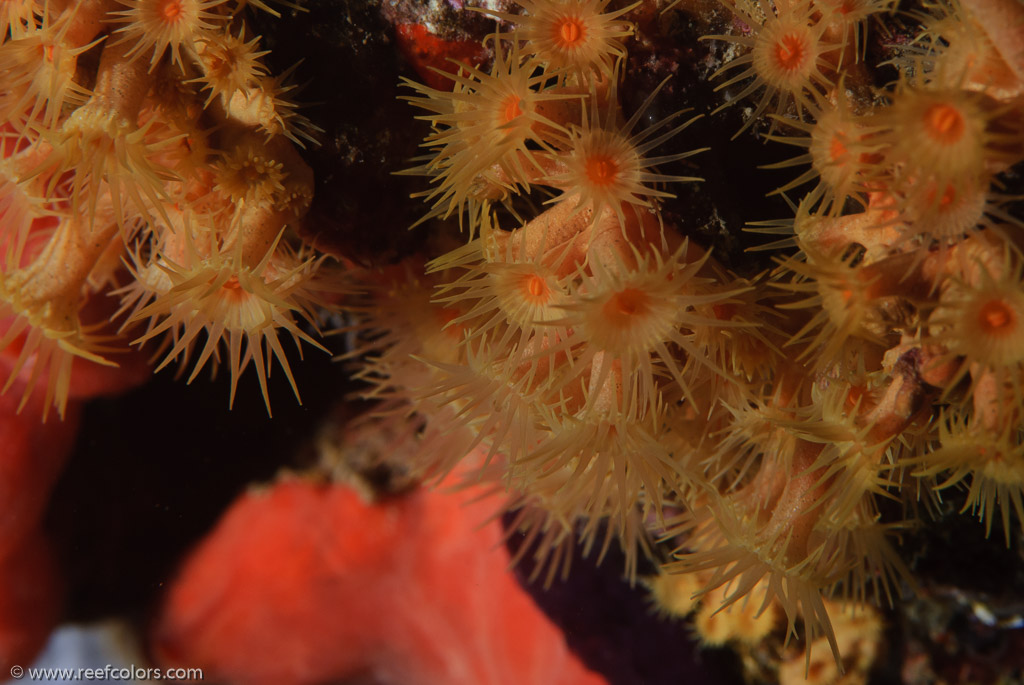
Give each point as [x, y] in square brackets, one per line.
[132, 163]
[763, 436]
[615, 371]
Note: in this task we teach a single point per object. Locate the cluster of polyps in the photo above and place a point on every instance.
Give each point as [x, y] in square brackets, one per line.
[612, 367]
[564, 344]
[904, 311]
[147, 132]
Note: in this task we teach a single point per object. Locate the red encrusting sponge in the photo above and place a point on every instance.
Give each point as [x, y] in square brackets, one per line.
[308, 583]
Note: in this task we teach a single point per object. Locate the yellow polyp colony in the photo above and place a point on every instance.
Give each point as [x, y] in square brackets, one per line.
[152, 27]
[859, 634]
[40, 74]
[120, 160]
[743, 624]
[623, 385]
[949, 145]
[220, 296]
[607, 166]
[490, 134]
[229, 63]
[982, 322]
[573, 329]
[840, 152]
[791, 55]
[989, 460]
[578, 37]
